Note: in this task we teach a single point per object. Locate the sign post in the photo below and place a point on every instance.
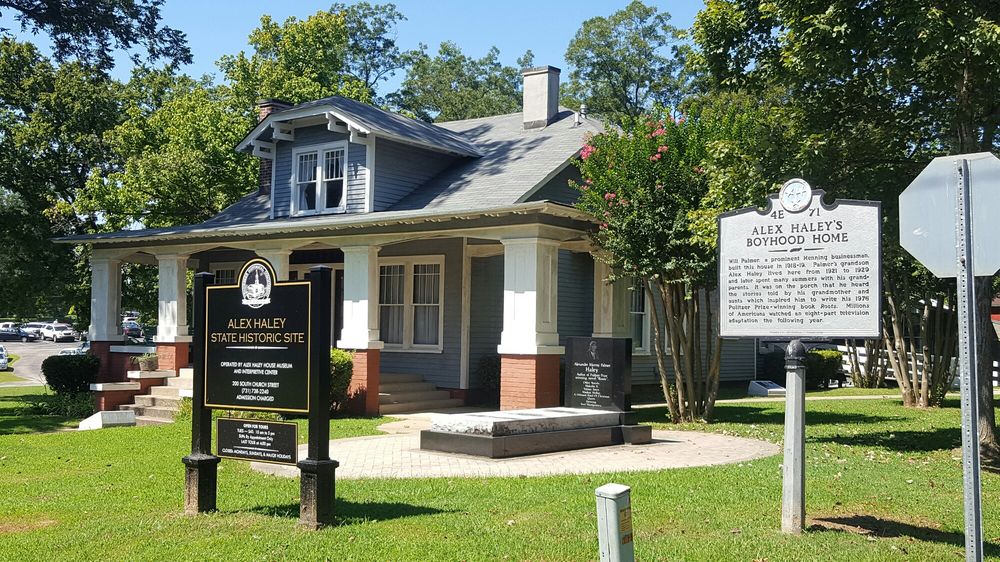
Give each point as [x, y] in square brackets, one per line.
[800, 269]
[262, 345]
[946, 245]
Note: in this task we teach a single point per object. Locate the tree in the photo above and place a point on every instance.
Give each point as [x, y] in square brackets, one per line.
[372, 54]
[296, 61]
[620, 65]
[173, 160]
[878, 89]
[452, 85]
[89, 30]
[644, 181]
[52, 119]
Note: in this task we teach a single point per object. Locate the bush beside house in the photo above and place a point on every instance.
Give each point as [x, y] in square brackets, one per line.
[70, 377]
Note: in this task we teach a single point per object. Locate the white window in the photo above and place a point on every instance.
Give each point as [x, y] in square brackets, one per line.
[638, 317]
[225, 273]
[319, 180]
[411, 293]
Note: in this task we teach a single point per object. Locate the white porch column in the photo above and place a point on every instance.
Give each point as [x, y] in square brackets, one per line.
[530, 297]
[279, 260]
[361, 330]
[172, 323]
[105, 297]
[611, 305]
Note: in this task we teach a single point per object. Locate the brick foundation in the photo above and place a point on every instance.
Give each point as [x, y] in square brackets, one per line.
[173, 356]
[106, 372]
[365, 382]
[529, 381]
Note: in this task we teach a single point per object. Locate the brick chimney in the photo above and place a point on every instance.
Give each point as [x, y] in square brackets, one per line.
[541, 96]
[266, 107]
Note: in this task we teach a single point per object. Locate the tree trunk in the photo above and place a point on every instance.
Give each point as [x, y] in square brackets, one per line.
[989, 445]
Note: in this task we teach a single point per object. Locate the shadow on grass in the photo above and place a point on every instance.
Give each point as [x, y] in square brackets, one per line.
[352, 513]
[764, 415]
[888, 528]
[31, 424]
[904, 441]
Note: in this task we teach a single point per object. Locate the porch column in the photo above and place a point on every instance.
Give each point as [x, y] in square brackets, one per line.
[279, 260]
[361, 331]
[105, 305]
[611, 305]
[173, 343]
[529, 343]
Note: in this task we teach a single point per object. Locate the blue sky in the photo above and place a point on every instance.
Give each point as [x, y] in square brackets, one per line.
[218, 27]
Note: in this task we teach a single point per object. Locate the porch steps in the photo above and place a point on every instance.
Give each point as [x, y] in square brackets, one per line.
[401, 393]
[162, 403]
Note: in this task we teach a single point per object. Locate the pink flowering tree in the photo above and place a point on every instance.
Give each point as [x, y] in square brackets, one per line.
[644, 183]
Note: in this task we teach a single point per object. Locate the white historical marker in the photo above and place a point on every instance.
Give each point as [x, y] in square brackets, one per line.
[801, 268]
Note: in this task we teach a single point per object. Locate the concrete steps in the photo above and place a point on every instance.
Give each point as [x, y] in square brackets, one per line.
[162, 403]
[401, 393]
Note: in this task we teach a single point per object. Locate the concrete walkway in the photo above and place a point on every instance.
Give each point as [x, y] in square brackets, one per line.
[398, 455]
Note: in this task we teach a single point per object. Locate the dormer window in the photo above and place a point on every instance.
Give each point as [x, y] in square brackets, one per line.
[318, 179]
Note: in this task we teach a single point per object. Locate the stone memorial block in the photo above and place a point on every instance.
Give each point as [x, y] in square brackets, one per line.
[599, 373]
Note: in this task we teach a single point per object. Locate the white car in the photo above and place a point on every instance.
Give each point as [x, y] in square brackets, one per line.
[34, 328]
[58, 332]
[3, 359]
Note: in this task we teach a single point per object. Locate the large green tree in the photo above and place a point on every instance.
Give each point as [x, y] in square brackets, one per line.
[88, 31]
[622, 64]
[372, 54]
[52, 119]
[452, 85]
[877, 89]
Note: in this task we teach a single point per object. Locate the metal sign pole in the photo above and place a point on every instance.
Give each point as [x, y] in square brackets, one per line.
[793, 470]
[968, 366]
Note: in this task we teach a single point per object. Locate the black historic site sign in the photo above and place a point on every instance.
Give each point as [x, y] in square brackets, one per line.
[257, 342]
[261, 344]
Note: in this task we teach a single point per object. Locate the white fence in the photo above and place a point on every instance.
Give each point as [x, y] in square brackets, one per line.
[890, 375]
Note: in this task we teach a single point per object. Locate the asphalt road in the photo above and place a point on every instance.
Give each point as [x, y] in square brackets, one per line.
[29, 366]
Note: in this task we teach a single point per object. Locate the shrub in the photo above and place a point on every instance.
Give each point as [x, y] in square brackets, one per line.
[70, 374]
[488, 374]
[822, 366]
[78, 405]
[341, 369]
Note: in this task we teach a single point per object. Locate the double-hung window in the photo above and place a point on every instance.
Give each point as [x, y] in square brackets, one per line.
[638, 317]
[411, 293]
[319, 180]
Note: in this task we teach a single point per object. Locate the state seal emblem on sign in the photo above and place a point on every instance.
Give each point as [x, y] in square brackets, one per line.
[256, 286]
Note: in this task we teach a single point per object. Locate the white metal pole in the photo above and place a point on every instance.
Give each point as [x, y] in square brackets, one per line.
[968, 366]
[793, 471]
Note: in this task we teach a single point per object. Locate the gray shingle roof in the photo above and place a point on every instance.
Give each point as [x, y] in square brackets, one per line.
[515, 161]
[380, 122]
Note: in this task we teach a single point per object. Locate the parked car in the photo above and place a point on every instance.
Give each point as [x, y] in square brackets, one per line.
[8, 325]
[16, 334]
[132, 329]
[81, 349]
[58, 332]
[4, 364]
[34, 327]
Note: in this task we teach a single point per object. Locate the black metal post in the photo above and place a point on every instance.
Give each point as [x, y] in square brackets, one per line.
[201, 474]
[317, 481]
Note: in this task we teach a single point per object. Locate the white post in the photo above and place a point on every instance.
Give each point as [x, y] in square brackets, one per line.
[361, 330]
[172, 324]
[793, 470]
[614, 523]
[105, 298]
[279, 261]
[530, 297]
[611, 305]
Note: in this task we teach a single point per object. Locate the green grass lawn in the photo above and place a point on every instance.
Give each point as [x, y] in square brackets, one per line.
[883, 483]
[8, 376]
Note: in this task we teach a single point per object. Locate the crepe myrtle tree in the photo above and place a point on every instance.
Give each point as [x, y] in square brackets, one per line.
[643, 182]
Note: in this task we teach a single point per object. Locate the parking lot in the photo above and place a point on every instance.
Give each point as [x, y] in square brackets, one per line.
[29, 366]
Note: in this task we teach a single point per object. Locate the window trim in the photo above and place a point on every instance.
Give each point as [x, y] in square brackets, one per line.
[319, 150]
[408, 307]
[645, 347]
[234, 265]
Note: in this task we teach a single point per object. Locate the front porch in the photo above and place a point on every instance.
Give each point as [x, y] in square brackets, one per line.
[417, 302]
